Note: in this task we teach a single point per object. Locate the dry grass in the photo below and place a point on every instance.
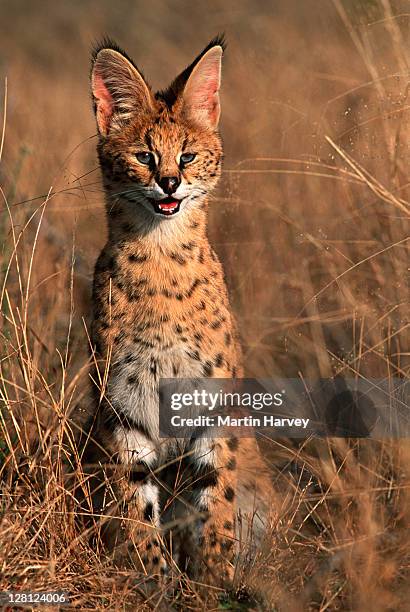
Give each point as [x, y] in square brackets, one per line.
[311, 222]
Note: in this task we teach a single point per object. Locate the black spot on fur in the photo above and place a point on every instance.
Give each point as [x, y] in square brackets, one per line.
[104, 263]
[206, 476]
[132, 295]
[233, 443]
[194, 285]
[149, 512]
[142, 342]
[135, 258]
[178, 258]
[229, 494]
[208, 369]
[139, 473]
[219, 360]
[141, 282]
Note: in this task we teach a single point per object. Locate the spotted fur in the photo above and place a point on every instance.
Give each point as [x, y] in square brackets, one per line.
[161, 309]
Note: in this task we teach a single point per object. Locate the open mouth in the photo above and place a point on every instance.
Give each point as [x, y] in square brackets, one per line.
[166, 207]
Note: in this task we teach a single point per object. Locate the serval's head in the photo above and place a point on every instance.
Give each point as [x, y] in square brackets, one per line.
[161, 152]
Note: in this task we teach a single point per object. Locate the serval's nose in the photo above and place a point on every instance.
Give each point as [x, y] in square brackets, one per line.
[169, 184]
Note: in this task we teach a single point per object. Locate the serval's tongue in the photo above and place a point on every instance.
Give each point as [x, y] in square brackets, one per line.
[168, 205]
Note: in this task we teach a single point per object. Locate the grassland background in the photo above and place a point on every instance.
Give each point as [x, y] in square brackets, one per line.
[311, 222]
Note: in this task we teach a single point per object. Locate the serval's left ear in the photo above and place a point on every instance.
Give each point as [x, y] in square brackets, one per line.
[200, 95]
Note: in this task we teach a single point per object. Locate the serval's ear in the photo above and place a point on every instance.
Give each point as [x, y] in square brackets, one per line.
[200, 94]
[119, 89]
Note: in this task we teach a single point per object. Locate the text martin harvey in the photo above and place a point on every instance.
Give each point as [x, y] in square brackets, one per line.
[246, 421]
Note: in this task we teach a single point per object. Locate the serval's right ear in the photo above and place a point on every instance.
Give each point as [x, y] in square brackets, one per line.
[119, 89]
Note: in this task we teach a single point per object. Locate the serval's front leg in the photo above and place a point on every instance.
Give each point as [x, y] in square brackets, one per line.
[215, 481]
[133, 532]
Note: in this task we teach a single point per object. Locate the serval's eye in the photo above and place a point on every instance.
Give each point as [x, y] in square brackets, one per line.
[145, 158]
[187, 158]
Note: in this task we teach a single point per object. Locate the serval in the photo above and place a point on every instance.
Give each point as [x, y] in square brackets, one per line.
[161, 310]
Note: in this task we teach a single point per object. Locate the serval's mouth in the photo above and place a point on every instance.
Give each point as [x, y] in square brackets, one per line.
[166, 207]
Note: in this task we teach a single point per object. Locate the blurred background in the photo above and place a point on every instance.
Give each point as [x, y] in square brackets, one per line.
[292, 213]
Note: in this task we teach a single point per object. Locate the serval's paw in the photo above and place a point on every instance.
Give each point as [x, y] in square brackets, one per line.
[216, 561]
[152, 557]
